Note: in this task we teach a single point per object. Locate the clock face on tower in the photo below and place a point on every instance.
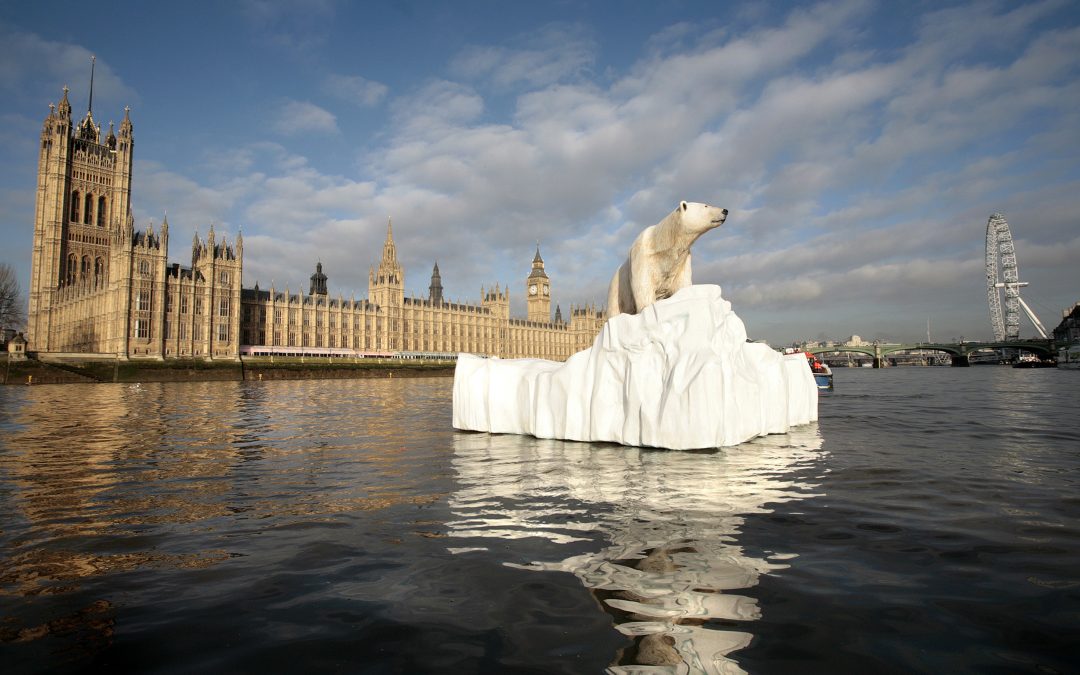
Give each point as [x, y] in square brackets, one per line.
[532, 289]
[547, 290]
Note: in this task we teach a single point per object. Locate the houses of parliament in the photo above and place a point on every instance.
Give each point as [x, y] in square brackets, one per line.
[99, 286]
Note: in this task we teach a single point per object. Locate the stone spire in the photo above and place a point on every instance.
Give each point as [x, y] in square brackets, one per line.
[125, 124]
[88, 129]
[65, 106]
[435, 290]
[90, 101]
[538, 265]
[318, 281]
[390, 271]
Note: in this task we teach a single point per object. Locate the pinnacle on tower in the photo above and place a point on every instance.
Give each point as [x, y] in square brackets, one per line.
[125, 124]
[389, 269]
[90, 101]
[87, 129]
[435, 290]
[318, 281]
[65, 105]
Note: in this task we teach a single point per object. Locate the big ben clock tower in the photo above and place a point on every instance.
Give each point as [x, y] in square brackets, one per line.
[538, 291]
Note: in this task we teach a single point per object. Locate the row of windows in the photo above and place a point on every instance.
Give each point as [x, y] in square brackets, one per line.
[92, 177]
[224, 305]
[414, 326]
[223, 330]
[83, 205]
[144, 269]
[84, 269]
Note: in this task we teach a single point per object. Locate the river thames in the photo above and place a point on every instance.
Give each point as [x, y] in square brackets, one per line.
[929, 522]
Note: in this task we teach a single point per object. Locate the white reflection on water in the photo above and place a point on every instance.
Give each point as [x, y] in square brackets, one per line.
[671, 520]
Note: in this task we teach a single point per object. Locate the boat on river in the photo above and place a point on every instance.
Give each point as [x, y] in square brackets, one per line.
[1032, 361]
[822, 372]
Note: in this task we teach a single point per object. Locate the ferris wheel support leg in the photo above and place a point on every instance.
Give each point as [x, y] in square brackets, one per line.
[1034, 319]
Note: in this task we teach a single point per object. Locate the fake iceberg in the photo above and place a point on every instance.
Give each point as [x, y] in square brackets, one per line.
[679, 375]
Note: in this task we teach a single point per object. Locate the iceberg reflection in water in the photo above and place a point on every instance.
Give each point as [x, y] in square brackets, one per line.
[671, 520]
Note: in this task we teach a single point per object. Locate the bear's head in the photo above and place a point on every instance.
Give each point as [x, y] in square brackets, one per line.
[697, 218]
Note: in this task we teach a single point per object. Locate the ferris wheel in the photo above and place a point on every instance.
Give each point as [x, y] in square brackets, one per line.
[1003, 278]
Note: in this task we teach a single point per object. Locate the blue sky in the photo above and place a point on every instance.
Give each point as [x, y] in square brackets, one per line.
[860, 147]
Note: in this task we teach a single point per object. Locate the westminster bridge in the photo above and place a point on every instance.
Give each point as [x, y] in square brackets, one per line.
[959, 351]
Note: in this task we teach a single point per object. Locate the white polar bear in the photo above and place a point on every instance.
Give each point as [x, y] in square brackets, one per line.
[659, 261]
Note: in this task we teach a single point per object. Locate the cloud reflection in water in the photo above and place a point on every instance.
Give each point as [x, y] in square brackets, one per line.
[671, 520]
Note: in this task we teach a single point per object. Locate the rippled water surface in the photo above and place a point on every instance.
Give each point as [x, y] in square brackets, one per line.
[928, 523]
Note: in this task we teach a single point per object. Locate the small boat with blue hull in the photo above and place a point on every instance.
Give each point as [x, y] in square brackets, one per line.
[822, 372]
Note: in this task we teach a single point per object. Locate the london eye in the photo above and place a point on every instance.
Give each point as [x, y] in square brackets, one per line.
[1003, 283]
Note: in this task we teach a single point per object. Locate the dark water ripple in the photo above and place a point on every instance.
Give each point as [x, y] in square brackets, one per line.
[946, 541]
[928, 523]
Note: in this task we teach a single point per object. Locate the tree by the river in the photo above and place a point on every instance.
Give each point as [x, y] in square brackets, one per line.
[11, 302]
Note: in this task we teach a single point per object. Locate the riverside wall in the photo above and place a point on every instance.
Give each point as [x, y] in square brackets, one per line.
[89, 371]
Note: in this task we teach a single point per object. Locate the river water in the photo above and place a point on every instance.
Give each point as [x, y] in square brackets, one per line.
[929, 522]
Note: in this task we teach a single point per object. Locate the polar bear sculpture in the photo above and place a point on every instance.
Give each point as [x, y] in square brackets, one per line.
[659, 260]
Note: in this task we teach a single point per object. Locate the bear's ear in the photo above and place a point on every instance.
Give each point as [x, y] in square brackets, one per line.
[682, 205]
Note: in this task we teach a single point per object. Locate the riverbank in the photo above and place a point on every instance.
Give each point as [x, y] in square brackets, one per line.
[73, 371]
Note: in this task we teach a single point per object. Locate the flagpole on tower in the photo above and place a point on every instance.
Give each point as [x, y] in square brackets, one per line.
[90, 105]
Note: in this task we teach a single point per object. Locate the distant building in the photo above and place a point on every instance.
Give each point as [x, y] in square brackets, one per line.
[281, 322]
[1068, 331]
[98, 286]
[16, 348]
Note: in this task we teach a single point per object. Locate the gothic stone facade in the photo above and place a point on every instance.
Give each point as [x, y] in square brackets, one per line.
[98, 286]
[388, 322]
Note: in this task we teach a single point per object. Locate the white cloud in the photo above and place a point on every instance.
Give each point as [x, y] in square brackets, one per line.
[550, 54]
[436, 109]
[355, 89]
[302, 117]
[37, 68]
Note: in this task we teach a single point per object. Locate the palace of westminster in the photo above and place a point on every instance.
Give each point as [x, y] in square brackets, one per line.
[98, 286]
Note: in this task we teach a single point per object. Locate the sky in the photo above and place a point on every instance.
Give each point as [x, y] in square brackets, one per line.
[860, 147]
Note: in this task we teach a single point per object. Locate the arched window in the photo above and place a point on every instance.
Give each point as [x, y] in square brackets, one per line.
[101, 212]
[89, 206]
[84, 272]
[144, 267]
[72, 268]
[99, 270]
[75, 203]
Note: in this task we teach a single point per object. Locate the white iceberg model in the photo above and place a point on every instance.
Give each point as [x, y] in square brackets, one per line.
[679, 374]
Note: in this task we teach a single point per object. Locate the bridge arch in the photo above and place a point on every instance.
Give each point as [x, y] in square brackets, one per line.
[959, 351]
